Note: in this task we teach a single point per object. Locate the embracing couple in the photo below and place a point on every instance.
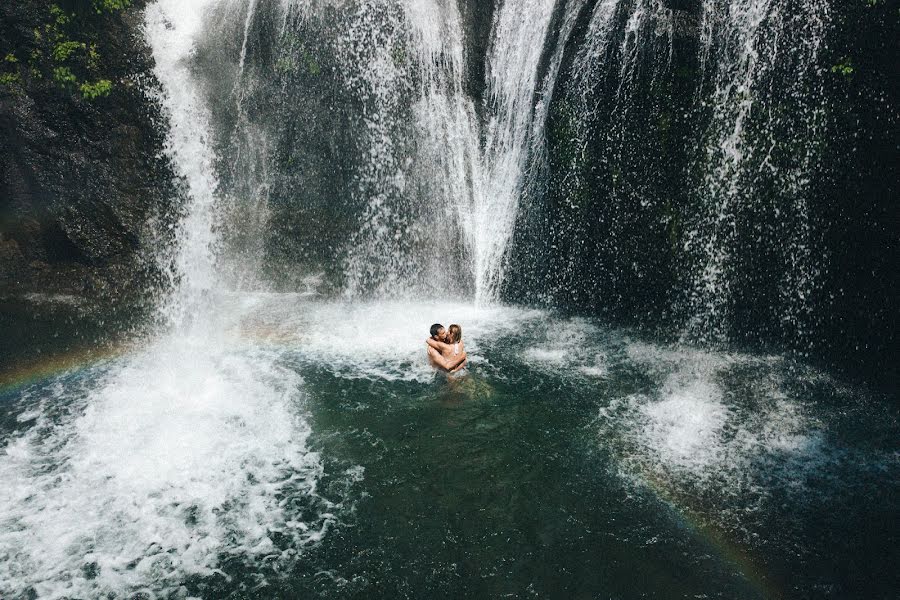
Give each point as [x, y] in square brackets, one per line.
[445, 348]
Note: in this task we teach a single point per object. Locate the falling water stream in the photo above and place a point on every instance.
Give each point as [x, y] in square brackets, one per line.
[263, 442]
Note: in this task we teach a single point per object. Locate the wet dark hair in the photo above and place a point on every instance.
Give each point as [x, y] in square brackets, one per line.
[435, 328]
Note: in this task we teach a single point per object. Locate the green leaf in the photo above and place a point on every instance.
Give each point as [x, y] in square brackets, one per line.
[64, 75]
[91, 91]
[64, 50]
[102, 6]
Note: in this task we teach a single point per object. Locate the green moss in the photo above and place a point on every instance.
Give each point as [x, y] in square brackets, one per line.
[285, 65]
[102, 6]
[93, 55]
[9, 79]
[313, 66]
[59, 16]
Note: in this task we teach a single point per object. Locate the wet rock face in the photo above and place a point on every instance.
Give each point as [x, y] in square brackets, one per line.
[85, 195]
[685, 17]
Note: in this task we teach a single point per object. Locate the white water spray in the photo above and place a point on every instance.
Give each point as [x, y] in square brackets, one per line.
[741, 46]
[474, 187]
[172, 27]
[141, 473]
[512, 78]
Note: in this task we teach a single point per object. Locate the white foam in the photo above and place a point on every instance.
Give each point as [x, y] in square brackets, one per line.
[685, 427]
[384, 340]
[165, 463]
[155, 467]
[567, 345]
[721, 427]
[598, 370]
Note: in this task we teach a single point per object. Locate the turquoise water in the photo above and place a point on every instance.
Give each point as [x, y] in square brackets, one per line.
[308, 451]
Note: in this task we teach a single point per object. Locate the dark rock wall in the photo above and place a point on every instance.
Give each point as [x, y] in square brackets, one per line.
[859, 194]
[85, 193]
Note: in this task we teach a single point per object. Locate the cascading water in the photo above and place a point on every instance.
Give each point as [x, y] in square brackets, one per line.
[247, 156]
[194, 266]
[512, 77]
[280, 433]
[474, 189]
[436, 177]
[449, 164]
[594, 184]
[143, 471]
[628, 220]
[758, 158]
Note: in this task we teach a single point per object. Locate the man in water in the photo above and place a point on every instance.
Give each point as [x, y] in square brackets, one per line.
[450, 362]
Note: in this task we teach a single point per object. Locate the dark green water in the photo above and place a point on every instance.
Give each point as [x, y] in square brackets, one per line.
[478, 489]
[508, 486]
[570, 461]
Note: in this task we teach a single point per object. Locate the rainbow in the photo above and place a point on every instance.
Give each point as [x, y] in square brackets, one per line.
[691, 519]
[31, 372]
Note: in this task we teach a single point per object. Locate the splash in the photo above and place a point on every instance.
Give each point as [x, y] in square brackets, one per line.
[125, 487]
[152, 469]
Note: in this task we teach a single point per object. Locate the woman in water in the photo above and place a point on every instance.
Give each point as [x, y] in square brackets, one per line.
[452, 347]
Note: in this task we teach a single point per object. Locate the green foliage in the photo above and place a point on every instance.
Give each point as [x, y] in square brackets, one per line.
[844, 68]
[62, 53]
[296, 57]
[286, 65]
[64, 76]
[64, 50]
[93, 60]
[92, 91]
[59, 16]
[102, 6]
[313, 66]
[9, 79]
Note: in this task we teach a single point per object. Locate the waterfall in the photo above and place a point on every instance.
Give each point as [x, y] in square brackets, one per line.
[596, 167]
[448, 211]
[174, 26]
[483, 183]
[244, 162]
[517, 45]
[449, 159]
[759, 60]
[375, 58]
[474, 186]
[672, 177]
[354, 147]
